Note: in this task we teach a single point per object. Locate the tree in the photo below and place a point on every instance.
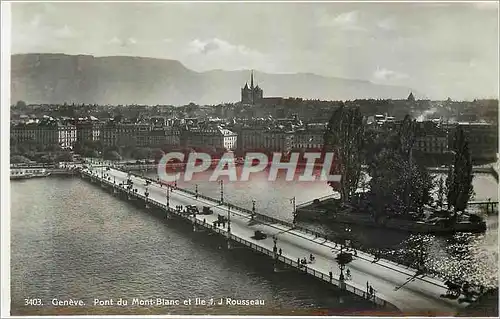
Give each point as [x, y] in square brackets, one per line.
[65, 157]
[21, 104]
[142, 153]
[344, 137]
[17, 159]
[460, 188]
[399, 184]
[47, 159]
[112, 155]
[158, 154]
[90, 153]
[440, 192]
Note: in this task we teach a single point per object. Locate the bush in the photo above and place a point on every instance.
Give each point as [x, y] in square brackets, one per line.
[112, 156]
[18, 159]
[65, 157]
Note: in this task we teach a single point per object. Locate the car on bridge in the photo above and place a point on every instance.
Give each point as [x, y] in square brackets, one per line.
[258, 235]
[206, 211]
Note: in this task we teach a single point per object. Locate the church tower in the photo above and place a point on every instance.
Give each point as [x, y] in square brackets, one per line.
[411, 98]
[251, 95]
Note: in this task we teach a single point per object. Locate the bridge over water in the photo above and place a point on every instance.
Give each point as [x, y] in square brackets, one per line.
[396, 286]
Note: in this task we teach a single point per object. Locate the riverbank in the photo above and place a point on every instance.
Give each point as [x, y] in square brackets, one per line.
[328, 211]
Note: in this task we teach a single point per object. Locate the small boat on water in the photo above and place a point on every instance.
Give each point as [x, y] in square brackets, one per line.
[23, 173]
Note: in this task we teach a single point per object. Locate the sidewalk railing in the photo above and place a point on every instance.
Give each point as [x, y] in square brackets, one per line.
[287, 261]
[317, 235]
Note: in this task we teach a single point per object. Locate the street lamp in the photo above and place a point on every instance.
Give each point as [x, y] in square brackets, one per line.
[275, 247]
[228, 219]
[253, 208]
[292, 201]
[221, 192]
[168, 197]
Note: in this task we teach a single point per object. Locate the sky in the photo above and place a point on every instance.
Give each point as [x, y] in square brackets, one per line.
[440, 49]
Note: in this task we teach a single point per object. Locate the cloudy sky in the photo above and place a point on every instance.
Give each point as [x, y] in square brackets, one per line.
[439, 49]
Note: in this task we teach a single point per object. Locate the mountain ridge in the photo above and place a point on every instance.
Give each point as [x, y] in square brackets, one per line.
[58, 78]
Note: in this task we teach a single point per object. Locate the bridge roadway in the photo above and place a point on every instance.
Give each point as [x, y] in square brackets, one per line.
[396, 284]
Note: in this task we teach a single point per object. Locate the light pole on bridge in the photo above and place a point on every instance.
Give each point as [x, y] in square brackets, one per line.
[292, 201]
[221, 191]
[168, 196]
[253, 208]
[228, 219]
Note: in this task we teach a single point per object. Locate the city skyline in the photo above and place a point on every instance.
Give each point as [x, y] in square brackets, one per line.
[439, 49]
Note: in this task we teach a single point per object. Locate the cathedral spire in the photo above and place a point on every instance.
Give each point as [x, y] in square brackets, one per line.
[251, 83]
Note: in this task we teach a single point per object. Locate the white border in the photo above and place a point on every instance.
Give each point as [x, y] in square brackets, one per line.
[5, 142]
[5, 158]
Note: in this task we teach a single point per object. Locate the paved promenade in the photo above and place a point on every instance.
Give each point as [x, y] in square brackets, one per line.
[396, 284]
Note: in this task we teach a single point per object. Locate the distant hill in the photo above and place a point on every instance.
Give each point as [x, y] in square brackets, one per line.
[58, 78]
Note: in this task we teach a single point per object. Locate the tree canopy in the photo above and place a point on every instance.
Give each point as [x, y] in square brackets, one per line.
[459, 182]
[344, 137]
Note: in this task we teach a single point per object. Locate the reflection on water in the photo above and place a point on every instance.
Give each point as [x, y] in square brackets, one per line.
[70, 239]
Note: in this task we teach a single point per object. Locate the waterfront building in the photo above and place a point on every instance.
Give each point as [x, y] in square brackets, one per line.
[139, 135]
[310, 137]
[47, 131]
[431, 138]
[483, 140]
[87, 129]
[206, 135]
[271, 138]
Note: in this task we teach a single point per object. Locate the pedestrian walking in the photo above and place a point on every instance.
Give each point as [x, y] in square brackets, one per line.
[367, 287]
[331, 276]
[280, 251]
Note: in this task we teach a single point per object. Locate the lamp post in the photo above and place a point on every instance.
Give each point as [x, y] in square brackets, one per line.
[168, 197]
[221, 192]
[292, 201]
[228, 219]
[253, 208]
[275, 247]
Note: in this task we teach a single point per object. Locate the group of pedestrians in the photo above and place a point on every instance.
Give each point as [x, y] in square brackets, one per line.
[304, 261]
[276, 250]
[218, 223]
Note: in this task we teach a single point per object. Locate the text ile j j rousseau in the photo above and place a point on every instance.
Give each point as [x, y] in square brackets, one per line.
[162, 302]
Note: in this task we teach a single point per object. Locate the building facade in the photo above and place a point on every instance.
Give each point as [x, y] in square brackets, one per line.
[310, 137]
[208, 136]
[482, 138]
[45, 132]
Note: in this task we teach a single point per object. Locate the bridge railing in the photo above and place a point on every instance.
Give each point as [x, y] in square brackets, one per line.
[318, 274]
[272, 220]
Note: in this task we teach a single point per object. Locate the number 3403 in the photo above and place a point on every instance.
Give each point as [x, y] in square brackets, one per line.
[33, 302]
